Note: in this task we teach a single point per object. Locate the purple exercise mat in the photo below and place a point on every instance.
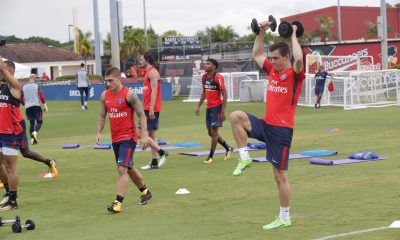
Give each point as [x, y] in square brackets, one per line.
[70, 146]
[325, 162]
[219, 151]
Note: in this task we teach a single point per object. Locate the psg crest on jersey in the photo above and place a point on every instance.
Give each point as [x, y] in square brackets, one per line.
[119, 101]
[283, 76]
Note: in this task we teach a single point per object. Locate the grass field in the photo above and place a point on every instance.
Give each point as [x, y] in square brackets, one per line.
[325, 200]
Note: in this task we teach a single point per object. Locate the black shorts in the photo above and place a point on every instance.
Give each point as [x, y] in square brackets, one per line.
[152, 124]
[319, 90]
[278, 140]
[34, 113]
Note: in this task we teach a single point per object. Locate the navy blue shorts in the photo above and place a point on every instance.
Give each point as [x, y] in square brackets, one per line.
[319, 90]
[34, 113]
[213, 117]
[152, 124]
[278, 140]
[123, 152]
[15, 141]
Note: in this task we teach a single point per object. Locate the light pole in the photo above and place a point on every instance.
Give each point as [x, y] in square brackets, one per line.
[69, 32]
[339, 22]
[145, 24]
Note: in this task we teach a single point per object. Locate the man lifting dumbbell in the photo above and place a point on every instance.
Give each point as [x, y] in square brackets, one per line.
[255, 27]
[276, 127]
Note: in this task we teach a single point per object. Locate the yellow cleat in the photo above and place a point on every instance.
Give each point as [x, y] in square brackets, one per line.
[34, 136]
[229, 153]
[115, 207]
[208, 160]
[53, 169]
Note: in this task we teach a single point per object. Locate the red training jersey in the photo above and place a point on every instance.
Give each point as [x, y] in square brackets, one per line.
[213, 84]
[147, 93]
[10, 115]
[121, 115]
[281, 102]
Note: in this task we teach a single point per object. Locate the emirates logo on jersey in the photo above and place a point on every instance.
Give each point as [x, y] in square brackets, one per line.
[274, 87]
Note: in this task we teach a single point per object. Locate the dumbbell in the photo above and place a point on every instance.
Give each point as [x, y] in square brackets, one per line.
[17, 227]
[285, 29]
[255, 27]
[16, 220]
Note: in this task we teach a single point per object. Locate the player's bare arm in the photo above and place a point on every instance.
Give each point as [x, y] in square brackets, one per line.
[258, 48]
[102, 118]
[202, 98]
[297, 52]
[224, 102]
[15, 87]
[153, 77]
[134, 101]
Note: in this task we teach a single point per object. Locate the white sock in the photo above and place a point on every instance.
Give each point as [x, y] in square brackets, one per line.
[244, 154]
[284, 213]
[85, 103]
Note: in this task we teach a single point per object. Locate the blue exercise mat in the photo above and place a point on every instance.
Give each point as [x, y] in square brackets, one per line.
[188, 144]
[319, 153]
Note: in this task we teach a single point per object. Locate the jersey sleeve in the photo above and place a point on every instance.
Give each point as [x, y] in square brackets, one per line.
[301, 75]
[219, 80]
[41, 96]
[268, 66]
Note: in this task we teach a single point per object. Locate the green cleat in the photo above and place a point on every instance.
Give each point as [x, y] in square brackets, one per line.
[278, 223]
[242, 165]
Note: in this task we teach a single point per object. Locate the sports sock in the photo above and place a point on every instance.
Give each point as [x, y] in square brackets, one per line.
[13, 196]
[154, 161]
[48, 161]
[6, 186]
[225, 145]
[119, 198]
[284, 213]
[143, 188]
[211, 155]
[244, 154]
[161, 152]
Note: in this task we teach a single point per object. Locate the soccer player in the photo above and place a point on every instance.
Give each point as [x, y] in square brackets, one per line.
[82, 79]
[120, 103]
[152, 109]
[10, 128]
[276, 126]
[32, 95]
[213, 89]
[320, 79]
[21, 141]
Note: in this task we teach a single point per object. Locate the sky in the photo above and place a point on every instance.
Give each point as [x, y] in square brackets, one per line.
[50, 18]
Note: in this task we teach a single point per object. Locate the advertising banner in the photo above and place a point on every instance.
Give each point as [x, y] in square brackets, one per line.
[70, 92]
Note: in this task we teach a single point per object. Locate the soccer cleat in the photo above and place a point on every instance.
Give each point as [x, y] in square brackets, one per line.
[34, 136]
[229, 153]
[208, 160]
[4, 200]
[83, 108]
[145, 197]
[242, 165]
[278, 223]
[53, 169]
[163, 158]
[115, 207]
[9, 205]
[149, 166]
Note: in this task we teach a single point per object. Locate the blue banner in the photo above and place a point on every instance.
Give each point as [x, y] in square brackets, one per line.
[71, 92]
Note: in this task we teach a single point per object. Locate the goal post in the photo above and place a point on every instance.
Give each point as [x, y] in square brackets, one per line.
[338, 63]
[232, 85]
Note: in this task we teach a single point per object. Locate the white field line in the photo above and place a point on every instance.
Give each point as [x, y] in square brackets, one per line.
[351, 233]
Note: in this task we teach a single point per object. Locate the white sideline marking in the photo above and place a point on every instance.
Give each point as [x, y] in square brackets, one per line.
[352, 233]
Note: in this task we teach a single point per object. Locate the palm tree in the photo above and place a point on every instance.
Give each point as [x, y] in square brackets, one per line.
[325, 31]
[85, 48]
[134, 43]
[372, 29]
[171, 33]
